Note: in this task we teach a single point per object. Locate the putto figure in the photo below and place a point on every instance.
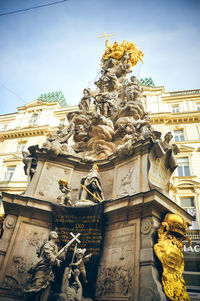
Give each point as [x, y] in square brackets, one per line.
[65, 188]
[80, 262]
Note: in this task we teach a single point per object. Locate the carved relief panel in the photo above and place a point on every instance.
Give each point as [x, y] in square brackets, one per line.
[127, 177]
[48, 188]
[22, 255]
[117, 267]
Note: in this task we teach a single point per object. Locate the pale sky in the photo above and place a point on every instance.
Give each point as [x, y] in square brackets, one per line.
[57, 47]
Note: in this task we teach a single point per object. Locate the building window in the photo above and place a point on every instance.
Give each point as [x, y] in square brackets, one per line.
[175, 109]
[33, 119]
[21, 146]
[9, 173]
[183, 167]
[4, 127]
[198, 106]
[188, 205]
[187, 202]
[179, 135]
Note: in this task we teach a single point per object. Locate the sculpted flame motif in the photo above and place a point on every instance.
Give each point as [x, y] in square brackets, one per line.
[169, 251]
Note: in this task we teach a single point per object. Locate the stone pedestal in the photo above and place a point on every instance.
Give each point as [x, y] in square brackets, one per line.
[128, 268]
[27, 225]
[119, 177]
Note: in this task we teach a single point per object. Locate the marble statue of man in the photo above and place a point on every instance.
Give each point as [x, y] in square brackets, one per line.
[41, 274]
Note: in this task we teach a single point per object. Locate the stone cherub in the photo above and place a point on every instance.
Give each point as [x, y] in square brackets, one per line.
[80, 262]
[65, 188]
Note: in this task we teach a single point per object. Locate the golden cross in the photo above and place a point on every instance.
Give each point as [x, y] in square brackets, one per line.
[106, 36]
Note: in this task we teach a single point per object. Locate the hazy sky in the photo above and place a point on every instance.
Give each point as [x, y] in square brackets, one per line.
[57, 47]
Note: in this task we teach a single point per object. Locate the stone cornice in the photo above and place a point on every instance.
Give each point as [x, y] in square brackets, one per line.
[25, 132]
[151, 200]
[153, 89]
[38, 104]
[179, 95]
[174, 95]
[8, 117]
[175, 118]
[26, 206]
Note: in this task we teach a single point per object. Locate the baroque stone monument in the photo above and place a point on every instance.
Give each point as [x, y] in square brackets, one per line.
[104, 195]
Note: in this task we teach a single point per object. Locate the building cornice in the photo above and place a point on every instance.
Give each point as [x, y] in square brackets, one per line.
[175, 118]
[180, 95]
[185, 92]
[154, 89]
[25, 132]
[38, 105]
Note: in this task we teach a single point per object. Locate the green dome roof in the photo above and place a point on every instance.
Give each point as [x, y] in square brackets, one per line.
[147, 81]
[54, 96]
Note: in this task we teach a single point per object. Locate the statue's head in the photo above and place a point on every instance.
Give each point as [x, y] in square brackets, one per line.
[80, 253]
[168, 137]
[133, 78]
[176, 223]
[94, 184]
[53, 235]
[63, 182]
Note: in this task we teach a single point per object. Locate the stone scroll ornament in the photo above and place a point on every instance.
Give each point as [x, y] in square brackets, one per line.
[169, 251]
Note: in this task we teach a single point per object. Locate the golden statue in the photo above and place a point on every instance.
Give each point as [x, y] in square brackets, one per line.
[169, 251]
[124, 49]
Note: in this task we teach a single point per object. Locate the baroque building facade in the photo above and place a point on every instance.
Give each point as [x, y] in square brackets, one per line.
[176, 112]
